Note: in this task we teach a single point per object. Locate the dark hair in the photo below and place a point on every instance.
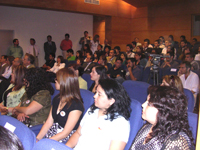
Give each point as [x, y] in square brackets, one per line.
[95, 37]
[183, 37]
[132, 60]
[187, 64]
[9, 140]
[19, 72]
[172, 112]
[101, 70]
[4, 56]
[69, 86]
[141, 48]
[121, 106]
[147, 40]
[37, 81]
[15, 40]
[61, 58]
[130, 46]
[31, 58]
[104, 59]
[134, 43]
[124, 53]
[32, 39]
[184, 41]
[195, 39]
[107, 47]
[52, 54]
[88, 47]
[171, 53]
[171, 36]
[49, 36]
[67, 35]
[10, 59]
[191, 55]
[117, 47]
[85, 32]
[79, 68]
[101, 46]
[80, 54]
[157, 41]
[98, 54]
[118, 58]
[70, 51]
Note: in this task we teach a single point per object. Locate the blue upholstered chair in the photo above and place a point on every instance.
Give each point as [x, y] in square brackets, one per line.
[88, 99]
[48, 144]
[193, 122]
[136, 90]
[87, 78]
[56, 92]
[26, 136]
[136, 121]
[190, 98]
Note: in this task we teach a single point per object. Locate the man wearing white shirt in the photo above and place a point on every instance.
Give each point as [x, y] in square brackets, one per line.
[34, 50]
[190, 80]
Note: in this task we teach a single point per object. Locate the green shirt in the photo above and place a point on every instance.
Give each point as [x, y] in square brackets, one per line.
[15, 51]
[42, 97]
[71, 58]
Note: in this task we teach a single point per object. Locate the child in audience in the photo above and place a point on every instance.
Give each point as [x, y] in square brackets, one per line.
[67, 108]
[105, 125]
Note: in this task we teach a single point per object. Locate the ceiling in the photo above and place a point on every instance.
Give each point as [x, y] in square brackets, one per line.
[146, 3]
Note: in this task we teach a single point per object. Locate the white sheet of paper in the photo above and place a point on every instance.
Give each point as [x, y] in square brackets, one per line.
[9, 127]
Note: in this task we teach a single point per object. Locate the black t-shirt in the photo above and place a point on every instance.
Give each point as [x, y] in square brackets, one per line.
[62, 116]
[50, 63]
[113, 73]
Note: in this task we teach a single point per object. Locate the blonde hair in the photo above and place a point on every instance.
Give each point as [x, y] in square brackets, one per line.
[174, 81]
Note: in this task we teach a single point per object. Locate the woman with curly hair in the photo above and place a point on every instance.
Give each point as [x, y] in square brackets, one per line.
[36, 101]
[66, 110]
[106, 123]
[167, 124]
[98, 72]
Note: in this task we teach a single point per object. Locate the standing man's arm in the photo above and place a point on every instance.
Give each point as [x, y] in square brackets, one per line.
[22, 52]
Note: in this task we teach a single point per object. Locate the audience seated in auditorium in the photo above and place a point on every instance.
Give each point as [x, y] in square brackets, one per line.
[84, 40]
[36, 101]
[190, 80]
[132, 72]
[34, 50]
[141, 60]
[174, 81]
[79, 61]
[111, 58]
[50, 62]
[96, 57]
[185, 51]
[195, 46]
[137, 41]
[182, 46]
[79, 54]
[97, 73]
[109, 115]
[8, 69]
[171, 40]
[66, 110]
[182, 37]
[107, 50]
[99, 49]
[129, 52]
[4, 65]
[79, 71]
[169, 61]
[49, 48]
[9, 140]
[105, 44]
[12, 96]
[190, 58]
[58, 65]
[28, 61]
[15, 50]
[88, 56]
[116, 70]
[103, 61]
[88, 65]
[160, 130]
[117, 51]
[65, 45]
[197, 56]
[70, 55]
[147, 44]
[164, 50]
[156, 44]
[94, 43]
[134, 46]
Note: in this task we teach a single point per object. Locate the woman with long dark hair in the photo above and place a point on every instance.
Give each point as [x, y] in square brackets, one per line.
[36, 101]
[167, 124]
[106, 123]
[98, 72]
[67, 108]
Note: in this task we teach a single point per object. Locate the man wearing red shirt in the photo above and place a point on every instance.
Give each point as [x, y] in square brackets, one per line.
[65, 45]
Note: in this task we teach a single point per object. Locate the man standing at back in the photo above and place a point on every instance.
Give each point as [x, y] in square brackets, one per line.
[65, 45]
[34, 50]
[49, 47]
[15, 50]
[84, 40]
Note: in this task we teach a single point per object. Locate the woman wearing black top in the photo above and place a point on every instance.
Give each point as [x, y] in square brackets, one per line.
[67, 109]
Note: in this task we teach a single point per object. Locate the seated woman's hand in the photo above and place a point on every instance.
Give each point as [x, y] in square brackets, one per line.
[3, 110]
[21, 117]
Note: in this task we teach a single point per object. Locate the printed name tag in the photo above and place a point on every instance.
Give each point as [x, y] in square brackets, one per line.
[173, 69]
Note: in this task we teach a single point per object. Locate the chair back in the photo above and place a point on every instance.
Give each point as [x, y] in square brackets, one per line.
[136, 121]
[136, 90]
[193, 122]
[190, 99]
[87, 78]
[88, 99]
[26, 136]
[48, 144]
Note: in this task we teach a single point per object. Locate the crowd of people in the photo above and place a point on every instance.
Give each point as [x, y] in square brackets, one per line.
[25, 92]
